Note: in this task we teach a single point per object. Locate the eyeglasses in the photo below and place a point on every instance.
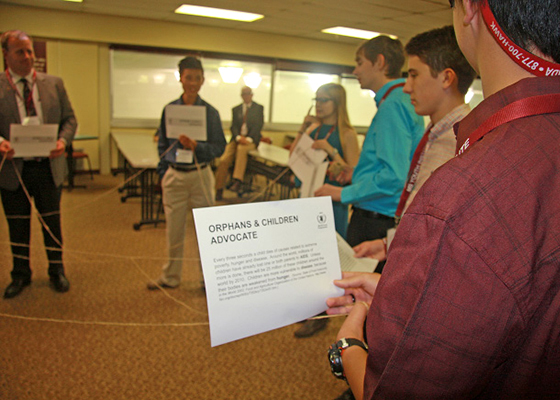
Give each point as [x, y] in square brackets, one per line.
[322, 100]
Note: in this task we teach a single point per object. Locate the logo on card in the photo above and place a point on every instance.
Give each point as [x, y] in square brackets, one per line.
[322, 220]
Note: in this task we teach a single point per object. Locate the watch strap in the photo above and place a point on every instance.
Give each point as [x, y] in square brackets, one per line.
[344, 343]
[335, 354]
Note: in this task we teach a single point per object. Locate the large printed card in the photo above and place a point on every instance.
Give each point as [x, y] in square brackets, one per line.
[266, 265]
[185, 120]
[33, 140]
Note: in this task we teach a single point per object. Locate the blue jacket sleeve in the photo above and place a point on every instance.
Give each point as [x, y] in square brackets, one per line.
[163, 145]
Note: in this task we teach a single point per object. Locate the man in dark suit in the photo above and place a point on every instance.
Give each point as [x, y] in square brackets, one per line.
[34, 98]
[247, 122]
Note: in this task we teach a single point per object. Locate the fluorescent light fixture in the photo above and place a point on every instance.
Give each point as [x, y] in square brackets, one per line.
[75, 1]
[159, 79]
[230, 74]
[217, 13]
[356, 33]
[317, 80]
[252, 79]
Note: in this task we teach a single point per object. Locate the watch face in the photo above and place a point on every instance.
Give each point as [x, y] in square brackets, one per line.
[335, 361]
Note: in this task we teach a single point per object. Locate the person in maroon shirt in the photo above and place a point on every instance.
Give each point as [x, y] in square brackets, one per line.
[469, 302]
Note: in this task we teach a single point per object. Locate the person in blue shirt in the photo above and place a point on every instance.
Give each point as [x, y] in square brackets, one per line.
[378, 179]
[187, 178]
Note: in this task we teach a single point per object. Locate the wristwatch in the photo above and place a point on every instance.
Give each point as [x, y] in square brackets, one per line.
[335, 354]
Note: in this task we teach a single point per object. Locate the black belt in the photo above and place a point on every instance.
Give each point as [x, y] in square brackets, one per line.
[36, 159]
[186, 168]
[371, 214]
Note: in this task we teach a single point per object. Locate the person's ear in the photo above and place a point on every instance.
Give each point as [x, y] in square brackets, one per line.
[470, 11]
[380, 62]
[448, 78]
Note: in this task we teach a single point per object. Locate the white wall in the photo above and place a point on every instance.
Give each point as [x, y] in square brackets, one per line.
[77, 51]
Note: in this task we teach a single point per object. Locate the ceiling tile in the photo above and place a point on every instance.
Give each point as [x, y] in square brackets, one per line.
[298, 18]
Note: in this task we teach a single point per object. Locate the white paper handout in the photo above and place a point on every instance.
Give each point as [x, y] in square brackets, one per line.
[308, 165]
[305, 159]
[350, 263]
[185, 120]
[33, 140]
[266, 265]
[315, 181]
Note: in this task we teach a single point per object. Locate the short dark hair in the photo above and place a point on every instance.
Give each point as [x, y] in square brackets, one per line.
[391, 49]
[529, 23]
[439, 49]
[190, 62]
[15, 34]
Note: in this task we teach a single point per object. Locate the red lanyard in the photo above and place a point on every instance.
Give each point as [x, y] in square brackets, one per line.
[328, 134]
[530, 62]
[13, 85]
[413, 172]
[390, 90]
[536, 105]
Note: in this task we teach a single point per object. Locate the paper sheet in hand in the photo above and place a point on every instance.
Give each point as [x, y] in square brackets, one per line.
[350, 263]
[305, 159]
[311, 183]
[185, 120]
[266, 265]
[33, 140]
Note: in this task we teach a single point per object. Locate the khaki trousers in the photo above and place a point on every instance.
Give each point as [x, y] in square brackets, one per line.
[182, 191]
[237, 152]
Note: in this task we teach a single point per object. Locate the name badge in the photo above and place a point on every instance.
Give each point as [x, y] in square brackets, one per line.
[184, 156]
[31, 121]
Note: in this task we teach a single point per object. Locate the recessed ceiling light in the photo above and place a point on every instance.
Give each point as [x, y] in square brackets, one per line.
[351, 32]
[252, 79]
[230, 74]
[217, 13]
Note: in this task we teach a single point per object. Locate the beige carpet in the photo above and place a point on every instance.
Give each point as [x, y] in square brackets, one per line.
[110, 338]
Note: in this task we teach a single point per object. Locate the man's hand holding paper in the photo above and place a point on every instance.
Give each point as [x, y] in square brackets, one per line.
[358, 287]
[59, 149]
[6, 149]
[187, 142]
